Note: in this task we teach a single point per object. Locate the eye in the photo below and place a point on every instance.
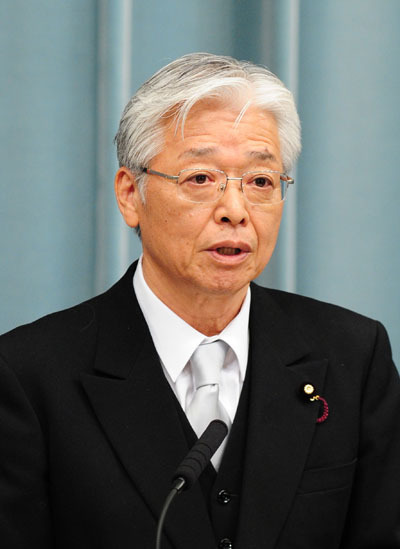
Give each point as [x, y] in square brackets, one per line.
[198, 178]
[261, 181]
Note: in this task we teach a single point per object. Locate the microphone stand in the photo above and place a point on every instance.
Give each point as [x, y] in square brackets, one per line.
[178, 487]
[192, 466]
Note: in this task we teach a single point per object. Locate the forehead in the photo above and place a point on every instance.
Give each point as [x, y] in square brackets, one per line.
[213, 129]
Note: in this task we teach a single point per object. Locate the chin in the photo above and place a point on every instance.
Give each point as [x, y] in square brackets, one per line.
[227, 287]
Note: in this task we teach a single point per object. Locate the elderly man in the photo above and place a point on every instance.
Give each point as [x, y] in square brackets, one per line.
[100, 403]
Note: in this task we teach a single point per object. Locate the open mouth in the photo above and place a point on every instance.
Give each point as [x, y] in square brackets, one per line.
[228, 251]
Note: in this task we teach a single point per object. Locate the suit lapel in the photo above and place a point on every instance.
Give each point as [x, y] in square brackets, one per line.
[281, 422]
[135, 406]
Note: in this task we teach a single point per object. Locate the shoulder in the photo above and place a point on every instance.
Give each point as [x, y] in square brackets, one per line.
[59, 325]
[322, 325]
[65, 334]
[308, 309]
[47, 351]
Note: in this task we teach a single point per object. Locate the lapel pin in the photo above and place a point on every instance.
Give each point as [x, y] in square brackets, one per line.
[309, 392]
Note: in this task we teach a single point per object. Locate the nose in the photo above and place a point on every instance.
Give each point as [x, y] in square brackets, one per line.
[231, 207]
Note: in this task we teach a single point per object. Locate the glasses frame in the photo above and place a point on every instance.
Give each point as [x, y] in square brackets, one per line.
[283, 177]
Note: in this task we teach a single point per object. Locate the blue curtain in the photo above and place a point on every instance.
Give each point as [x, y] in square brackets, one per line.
[68, 68]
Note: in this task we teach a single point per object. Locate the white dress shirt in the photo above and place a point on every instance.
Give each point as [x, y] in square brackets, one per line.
[175, 341]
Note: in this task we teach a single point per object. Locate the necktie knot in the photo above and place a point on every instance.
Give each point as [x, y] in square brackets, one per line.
[207, 362]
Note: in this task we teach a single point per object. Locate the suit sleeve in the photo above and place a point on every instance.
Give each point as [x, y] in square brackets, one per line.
[24, 503]
[374, 515]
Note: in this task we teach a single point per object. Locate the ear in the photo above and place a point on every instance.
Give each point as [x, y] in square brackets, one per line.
[128, 197]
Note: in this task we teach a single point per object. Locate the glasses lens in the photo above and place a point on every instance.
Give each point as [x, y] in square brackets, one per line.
[264, 187]
[199, 185]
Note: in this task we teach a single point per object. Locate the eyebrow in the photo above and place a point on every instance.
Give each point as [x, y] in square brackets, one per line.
[262, 155]
[205, 151]
[197, 153]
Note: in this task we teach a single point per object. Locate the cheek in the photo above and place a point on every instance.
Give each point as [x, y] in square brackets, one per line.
[158, 216]
[267, 229]
[188, 224]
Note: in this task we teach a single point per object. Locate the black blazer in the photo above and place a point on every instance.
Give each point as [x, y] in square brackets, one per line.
[90, 434]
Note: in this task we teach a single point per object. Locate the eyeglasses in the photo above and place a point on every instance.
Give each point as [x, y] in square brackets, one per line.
[202, 185]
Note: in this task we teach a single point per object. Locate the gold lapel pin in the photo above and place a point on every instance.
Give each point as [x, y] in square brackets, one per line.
[309, 392]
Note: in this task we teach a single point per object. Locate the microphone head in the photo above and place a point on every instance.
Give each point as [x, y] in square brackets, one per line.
[200, 455]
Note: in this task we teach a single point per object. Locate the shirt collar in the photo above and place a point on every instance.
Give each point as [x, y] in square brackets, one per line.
[175, 340]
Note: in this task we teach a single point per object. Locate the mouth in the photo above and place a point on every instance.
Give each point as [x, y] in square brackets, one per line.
[225, 250]
[230, 253]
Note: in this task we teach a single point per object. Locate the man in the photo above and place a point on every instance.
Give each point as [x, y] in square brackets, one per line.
[100, 403]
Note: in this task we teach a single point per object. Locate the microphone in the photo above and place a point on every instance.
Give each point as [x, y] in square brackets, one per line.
[193, 465]
[200, 455]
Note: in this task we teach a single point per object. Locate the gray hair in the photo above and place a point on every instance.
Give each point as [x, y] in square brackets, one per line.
[178, 86]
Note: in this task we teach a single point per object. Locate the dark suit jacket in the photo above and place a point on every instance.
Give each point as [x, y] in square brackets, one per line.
[90, 432]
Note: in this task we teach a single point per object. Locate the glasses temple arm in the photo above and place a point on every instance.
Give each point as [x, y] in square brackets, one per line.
[154, 172]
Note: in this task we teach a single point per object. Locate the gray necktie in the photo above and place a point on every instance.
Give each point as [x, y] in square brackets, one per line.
[206, 364]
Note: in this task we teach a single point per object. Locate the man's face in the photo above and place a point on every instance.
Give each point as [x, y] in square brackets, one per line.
[187, 247]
